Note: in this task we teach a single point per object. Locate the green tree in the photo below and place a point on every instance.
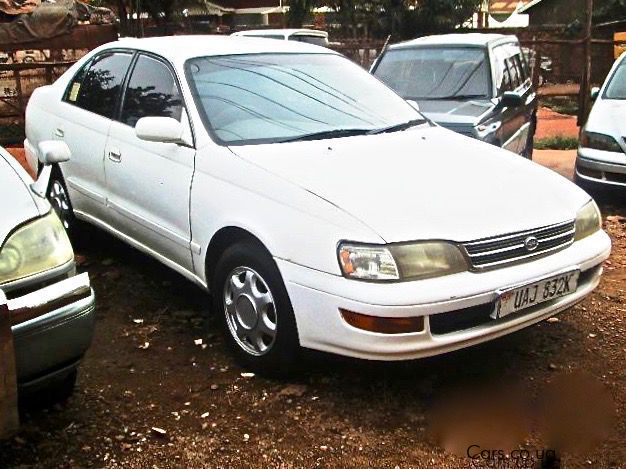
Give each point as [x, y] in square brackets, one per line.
[609, 10]
[161, 11]
[299, 12]
[430, 16]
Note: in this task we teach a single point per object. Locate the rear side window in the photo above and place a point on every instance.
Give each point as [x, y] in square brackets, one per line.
[152, 91]
[516, 79]
[511, 68]
[97, 86]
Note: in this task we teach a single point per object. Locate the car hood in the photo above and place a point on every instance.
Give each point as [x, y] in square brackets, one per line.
[455, 112]
[608, 116]
[425, 183]
[16, 199]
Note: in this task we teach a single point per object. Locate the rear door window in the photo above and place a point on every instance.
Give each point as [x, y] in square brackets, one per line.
[152, 91]
[97, 86]
[511, 69]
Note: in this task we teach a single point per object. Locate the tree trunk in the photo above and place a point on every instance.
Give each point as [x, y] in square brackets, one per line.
[123, 15]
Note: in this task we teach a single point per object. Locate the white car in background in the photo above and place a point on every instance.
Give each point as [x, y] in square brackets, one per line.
[310, 36]
[319, 207]
[601, 157]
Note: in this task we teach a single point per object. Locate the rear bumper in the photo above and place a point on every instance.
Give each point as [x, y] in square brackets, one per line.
[52, 329]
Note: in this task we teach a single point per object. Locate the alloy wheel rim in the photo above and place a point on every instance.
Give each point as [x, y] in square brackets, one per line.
[60, 202]
[250, 311]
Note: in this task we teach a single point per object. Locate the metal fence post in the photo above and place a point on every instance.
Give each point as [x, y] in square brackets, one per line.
[9, 416]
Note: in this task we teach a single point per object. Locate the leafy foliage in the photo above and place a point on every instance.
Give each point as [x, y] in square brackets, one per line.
[609, 10]
[400, 18]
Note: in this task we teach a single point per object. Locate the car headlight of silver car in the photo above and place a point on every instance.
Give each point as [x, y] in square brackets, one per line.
[397, 262]
[588, 220]
[597, 141]
[35, 247]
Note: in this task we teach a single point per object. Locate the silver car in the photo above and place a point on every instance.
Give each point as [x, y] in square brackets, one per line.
[50, 308]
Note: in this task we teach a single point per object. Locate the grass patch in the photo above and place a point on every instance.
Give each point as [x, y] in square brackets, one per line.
[557, 143]
[567, 105]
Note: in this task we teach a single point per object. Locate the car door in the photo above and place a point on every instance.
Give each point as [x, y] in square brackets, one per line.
[522, 117]
[148, 183]
[82, 119]
[512, 75]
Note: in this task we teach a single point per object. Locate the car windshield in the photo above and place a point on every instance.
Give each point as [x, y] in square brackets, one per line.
[616, 89]
[436, 73]
[269, 98]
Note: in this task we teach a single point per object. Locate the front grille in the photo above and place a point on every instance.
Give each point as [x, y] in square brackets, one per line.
[460, 320]
[499, 250]
[616, 177]
[591, 173]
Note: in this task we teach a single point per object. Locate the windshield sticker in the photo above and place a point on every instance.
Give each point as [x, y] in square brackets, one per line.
[74, 92]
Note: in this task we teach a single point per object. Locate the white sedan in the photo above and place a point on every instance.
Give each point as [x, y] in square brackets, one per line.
[602, 153]
[319, 208]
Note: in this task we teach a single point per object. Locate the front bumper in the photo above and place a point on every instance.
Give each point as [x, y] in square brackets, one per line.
[601, 167]
[317, 297]
[52, 329]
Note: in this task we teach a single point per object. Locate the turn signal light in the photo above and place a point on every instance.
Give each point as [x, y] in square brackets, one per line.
[383, 325]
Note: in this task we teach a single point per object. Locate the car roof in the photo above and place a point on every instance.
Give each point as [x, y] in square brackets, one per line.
[181, 48]
[468, 39]
[285, 32]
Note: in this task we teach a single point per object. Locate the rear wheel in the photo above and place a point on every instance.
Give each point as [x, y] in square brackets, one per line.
[254, 307]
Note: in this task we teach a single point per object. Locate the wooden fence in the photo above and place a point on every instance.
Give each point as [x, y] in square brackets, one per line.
[19, 80]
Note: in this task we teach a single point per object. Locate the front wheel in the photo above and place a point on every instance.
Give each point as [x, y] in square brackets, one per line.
[254, 307]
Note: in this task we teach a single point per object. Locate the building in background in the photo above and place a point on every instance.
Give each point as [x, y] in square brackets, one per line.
[501, 14]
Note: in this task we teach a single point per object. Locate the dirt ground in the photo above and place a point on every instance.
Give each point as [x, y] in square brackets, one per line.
[552, 124]
[152, 395]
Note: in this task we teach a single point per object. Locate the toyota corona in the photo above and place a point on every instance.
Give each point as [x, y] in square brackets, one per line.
[319, 208]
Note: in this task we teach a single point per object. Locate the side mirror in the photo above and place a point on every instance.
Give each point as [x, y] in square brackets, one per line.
[511, 99]
[595, 92]
[413, 103]
[53, 151]
[49, 152]
[160, 129]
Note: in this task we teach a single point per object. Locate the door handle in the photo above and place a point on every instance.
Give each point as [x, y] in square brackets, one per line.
[59, 133]
[115, 155]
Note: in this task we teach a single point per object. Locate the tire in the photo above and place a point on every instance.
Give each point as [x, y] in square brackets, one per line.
[55, 392]
[252, 303]
[59, 198]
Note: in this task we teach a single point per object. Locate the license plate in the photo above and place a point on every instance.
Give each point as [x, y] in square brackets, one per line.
[533, 294]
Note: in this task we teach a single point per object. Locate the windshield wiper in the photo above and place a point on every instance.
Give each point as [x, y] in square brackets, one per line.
[336, 133]
[398, 127]
[459, 97]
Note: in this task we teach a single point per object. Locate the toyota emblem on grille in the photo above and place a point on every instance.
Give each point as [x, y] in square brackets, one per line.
[531, 243]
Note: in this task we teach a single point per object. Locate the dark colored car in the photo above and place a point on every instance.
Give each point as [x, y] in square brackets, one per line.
[478, 85]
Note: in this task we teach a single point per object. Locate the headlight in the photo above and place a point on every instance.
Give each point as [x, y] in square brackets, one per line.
[597, 141]
[401, 262]
[367, 262]
[588, 221]
[38, 246]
